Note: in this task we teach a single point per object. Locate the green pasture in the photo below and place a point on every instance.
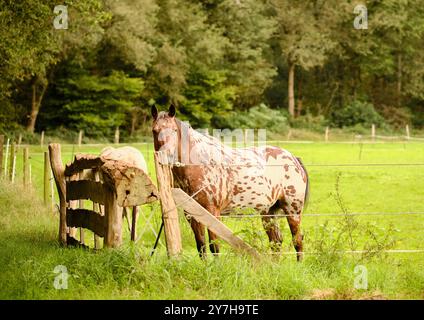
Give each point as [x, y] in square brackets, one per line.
[344, 178]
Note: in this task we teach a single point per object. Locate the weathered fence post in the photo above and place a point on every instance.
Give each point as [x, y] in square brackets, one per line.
[81, 206]
[25, 162]
[11, 160]
[97, 208]
[12, 165]
[245, 138]
[52, 192]
[373, 132]
[80, 138]
[289, 134]
[13, 169]
[71, 204]
[19, 140]
[407, 132]
[1, 154]
[134, 223]
[117, 135]
[42, 139]
[6, 157]
[46, 177]
[59, 177]
[113, 236]
[169, 209]
[326, 133]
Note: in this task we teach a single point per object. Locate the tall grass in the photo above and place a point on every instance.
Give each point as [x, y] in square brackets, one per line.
[29, 252]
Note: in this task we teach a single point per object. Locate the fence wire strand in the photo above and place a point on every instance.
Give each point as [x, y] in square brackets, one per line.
[240, 216]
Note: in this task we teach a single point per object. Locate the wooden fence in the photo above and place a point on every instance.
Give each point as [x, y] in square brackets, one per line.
[111, 185]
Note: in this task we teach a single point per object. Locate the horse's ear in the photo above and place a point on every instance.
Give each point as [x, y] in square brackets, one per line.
[172, 111]
[154, 112]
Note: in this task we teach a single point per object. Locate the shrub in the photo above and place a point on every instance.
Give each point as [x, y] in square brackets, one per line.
[357, 112]
[308, 121]
[259, 117]
[396, 117]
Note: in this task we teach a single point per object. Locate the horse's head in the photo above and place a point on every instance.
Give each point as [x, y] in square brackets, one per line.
[165, 130]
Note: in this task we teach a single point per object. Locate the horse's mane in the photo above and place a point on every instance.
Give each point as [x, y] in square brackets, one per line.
[203, 136]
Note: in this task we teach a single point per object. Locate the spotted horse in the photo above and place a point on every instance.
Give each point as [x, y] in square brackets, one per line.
[222, 178]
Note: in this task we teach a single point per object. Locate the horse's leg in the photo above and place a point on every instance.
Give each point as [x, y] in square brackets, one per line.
[199, 235]
[293, 218]
[271, 227]
[213, 243]
[213, 239]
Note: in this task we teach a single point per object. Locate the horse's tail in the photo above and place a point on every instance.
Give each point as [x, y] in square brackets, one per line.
[305, 200]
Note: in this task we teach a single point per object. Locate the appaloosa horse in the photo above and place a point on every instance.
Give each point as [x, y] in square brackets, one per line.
[222, 178]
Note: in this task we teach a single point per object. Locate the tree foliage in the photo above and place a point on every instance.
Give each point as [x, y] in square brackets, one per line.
[215, 59]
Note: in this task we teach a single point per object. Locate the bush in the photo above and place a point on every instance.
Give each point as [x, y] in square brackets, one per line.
[308, 121]
[397, 117]
[356, 113]
[259, 117]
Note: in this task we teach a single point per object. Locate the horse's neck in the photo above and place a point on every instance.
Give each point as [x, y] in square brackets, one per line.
[206, 142]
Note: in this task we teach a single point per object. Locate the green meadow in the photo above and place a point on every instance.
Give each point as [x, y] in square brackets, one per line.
[381, 184]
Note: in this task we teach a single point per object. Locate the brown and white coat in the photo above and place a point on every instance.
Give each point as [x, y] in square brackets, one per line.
[223, 178]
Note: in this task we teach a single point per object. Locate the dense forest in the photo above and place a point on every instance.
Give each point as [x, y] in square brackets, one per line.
[223, 63]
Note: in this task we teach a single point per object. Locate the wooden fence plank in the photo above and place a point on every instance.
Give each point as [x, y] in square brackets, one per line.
[86, 189]
[82, 162]
[84, 218]
[203, 216]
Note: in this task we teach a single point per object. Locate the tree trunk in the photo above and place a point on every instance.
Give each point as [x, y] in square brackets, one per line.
[299, 98]
[399, 80]
[134, 118]
[291, 89]
[36, 102]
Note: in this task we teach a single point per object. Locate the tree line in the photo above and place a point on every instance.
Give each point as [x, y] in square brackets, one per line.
[216, 60]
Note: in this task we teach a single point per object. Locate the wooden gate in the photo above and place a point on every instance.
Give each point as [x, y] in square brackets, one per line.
[111, 185]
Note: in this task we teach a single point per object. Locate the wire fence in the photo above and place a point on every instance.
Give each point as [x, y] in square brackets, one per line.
[242, 216]
[369, 252]
[396, 251]
[148, 227]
